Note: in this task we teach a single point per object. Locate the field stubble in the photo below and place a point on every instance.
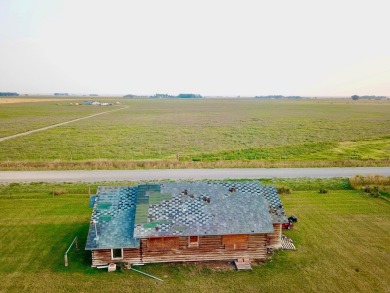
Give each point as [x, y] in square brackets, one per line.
[201, 133]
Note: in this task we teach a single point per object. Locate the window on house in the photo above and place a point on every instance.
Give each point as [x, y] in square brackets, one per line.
[193, 241]
[117, 253]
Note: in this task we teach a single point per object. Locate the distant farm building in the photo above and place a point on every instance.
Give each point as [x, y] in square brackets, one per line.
[184, 221]
[96, 103]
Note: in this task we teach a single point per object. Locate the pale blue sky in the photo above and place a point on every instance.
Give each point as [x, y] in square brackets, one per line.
[213, 47]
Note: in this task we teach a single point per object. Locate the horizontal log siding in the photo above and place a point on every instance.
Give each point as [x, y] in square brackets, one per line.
[275, 239]
[162, 244]
[210, 248]
[234, 242]
[103, 256]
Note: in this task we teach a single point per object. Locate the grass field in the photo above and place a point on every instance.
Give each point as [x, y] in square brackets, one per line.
[167, 133]
[21, 117]
[342, 246]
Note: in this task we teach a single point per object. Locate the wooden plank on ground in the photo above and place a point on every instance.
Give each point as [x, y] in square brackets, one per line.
[242, 265]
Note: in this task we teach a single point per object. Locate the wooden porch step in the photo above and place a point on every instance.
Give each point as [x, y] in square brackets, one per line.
[243, 264]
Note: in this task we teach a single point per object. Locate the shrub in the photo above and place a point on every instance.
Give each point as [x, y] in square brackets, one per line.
[363, 181]
[372, 190]
[283, 190]
[323, 190]
[58, 191]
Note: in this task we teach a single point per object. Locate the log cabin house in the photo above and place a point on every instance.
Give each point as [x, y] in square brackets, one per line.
[184, 221]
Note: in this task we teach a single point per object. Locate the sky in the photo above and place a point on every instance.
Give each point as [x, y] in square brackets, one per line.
[207, 47]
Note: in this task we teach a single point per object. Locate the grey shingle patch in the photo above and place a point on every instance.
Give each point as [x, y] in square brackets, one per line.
[208, 208]
[275, 205]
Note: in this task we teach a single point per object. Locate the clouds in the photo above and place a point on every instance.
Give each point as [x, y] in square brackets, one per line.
[208, 47]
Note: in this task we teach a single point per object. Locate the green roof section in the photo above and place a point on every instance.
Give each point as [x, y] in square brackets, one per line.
[145, 190]
[157, 197]
[105, 218]
[104, 205]
[141, 213]
[147, 195]
[155, 224]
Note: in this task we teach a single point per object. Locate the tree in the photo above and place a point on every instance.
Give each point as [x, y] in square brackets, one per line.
[355, 97]
[8, 94]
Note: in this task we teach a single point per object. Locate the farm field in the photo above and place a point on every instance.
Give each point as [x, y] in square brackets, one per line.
[16, 100]
[342, 246]
[173, 133]
[24, 115]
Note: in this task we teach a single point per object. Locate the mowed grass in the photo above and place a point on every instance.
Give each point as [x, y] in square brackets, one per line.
[206, 133]
[342, 246]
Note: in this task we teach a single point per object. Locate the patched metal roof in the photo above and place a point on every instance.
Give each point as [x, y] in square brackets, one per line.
[207, 208]
[275, 204]
[123, 215]
[270, 193]
[113, 219]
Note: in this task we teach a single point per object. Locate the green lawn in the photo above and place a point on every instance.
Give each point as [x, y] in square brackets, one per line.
[342, 241]
[212, 132]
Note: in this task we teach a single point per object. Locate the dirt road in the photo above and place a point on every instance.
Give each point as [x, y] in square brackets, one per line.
[183, 174]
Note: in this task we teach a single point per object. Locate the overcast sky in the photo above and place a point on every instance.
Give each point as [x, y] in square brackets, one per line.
[209, 47]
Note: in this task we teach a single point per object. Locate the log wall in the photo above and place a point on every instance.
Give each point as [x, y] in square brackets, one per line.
[162, 244]
[103, 256]
[210, 248]
[274, 240]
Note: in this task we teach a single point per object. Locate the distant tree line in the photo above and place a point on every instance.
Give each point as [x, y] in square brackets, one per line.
[356, 97]
[61, 94]
[189, 96]
[130, 96]
[166, 96]
[8, 94]
[159, 96]
[278, 97]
